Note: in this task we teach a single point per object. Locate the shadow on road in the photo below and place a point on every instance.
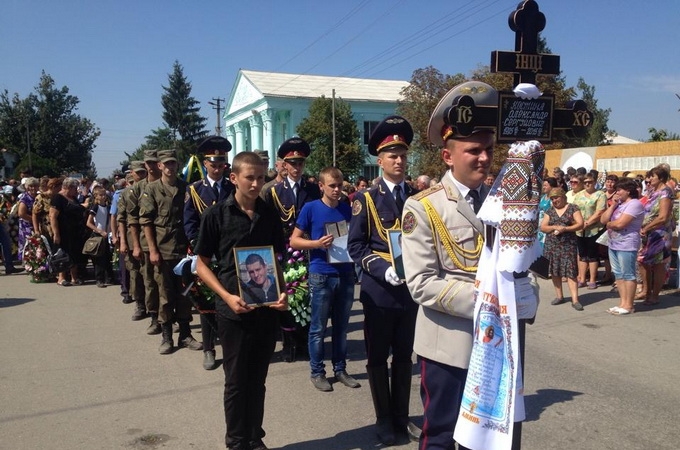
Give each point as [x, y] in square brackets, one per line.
[358, 439]
[7, 302]
[536, 403]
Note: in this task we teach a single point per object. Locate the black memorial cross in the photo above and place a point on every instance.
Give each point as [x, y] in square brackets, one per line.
[525, 62]
[515, 118]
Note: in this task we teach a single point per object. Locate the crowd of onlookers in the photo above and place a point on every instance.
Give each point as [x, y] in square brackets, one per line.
[625, 224]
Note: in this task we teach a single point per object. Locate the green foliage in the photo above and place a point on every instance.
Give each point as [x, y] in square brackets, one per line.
[598, 132]
[181, 110]
[662, 135]
[317, 130]
[61, 141]
[160, 138]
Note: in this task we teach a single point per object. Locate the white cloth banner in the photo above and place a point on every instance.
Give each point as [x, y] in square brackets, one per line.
[492, 398]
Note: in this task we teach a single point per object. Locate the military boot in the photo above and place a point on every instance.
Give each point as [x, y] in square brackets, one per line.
[154, 326]
[186, 339]
[380, 391]
[140, 311]
[167, 345]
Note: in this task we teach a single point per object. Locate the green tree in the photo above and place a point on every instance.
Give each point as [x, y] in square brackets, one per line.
[160, 138]
[662, 135]
[45, 132]
[420, 97]
[180, 112]
[317, 130]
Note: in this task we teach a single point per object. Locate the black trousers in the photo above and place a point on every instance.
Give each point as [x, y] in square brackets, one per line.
[388, 329]
[247, 347]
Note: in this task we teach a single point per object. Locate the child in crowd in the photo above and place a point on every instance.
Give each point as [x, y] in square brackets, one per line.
[242, 220]
[98, 219]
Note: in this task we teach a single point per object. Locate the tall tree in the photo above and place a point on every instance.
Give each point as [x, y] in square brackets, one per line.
[662, 135]
[159, 138]
[317, 130]
[45, 131]
[181, 111]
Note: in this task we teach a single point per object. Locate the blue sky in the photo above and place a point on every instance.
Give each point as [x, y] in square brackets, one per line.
[115, 56]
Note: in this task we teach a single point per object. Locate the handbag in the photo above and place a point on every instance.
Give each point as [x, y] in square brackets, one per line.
[58, 261]
[94, 246]
[603, 239]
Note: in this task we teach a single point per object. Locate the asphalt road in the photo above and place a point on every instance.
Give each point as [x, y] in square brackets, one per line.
[77, 373]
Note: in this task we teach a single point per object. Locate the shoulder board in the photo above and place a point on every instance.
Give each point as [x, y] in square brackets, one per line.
[428, 191]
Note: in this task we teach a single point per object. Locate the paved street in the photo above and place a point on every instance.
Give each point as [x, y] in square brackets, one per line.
[77, 373]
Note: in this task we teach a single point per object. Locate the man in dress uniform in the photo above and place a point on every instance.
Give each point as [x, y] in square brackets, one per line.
[287, 197]
[132, 264]
[160, 215]
[214, 188]
[441, 231]
[389, 311]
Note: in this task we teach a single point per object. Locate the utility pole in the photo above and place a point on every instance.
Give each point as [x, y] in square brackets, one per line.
[333, 113]
[216, 104]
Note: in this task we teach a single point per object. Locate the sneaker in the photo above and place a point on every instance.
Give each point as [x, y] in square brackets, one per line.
[557, 301]
[321, 383]
[343, 377]
[577, 306]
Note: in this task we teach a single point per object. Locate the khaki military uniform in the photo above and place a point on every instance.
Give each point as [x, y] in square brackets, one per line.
[132, 264]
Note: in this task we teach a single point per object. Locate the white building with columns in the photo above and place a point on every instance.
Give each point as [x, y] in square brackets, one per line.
[265, 108]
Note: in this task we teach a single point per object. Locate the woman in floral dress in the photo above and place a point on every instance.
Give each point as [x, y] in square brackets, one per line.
[560, 224]
[25, 213]
[656, 232]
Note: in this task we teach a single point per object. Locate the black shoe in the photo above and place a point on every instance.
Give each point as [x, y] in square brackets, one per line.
[385, 431]
[343, 377]
[258, 445]
[127, 299]
[154, 326]
[167, 346]
[321, 383]
[101, 284]
[209, 360]
[13, 269]
[409, 430]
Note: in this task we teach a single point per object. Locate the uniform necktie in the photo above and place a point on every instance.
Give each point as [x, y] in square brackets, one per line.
[216, 191]
[295, 189]
[398, 198]
[476, 201]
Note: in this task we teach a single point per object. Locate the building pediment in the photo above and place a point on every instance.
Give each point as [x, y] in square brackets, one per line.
[244, 94]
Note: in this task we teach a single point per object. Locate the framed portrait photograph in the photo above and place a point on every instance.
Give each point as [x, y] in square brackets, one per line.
[337, 253]
[258, 284]
[394, 242]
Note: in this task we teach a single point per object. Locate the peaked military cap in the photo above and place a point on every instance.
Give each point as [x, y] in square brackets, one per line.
[150, 155]
[167, 155]
[393, 131]
[294, 149]
[438, 130]
[214, 148]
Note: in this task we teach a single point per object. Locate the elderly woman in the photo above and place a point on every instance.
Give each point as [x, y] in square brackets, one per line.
[67, 219]
[576, 186]
[592, 204]
[560, 224]
[25, 212]
[656, 234]
[623, 221]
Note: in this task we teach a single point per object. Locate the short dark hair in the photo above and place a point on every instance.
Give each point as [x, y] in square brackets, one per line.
[613, 177]
[628, 184]
[246, 158]
[660, 172]
[254, 258]
[552, 181]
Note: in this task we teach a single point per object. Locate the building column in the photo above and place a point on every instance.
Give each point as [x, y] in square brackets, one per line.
[229, 131]
[255, 132]
[240, 144]
[268, 123]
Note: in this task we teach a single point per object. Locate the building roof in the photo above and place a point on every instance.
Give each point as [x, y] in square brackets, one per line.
[275, 84]
[623, 140]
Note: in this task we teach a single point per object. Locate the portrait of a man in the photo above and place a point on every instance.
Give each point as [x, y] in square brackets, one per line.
[258, 286]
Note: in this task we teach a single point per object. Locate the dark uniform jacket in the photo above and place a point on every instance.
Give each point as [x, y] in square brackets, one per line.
[162, 206]
[199, 196]
[369, 248]
[281, 197]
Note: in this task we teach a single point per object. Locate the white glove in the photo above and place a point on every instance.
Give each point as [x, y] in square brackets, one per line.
[391, 277]
[526, 297]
